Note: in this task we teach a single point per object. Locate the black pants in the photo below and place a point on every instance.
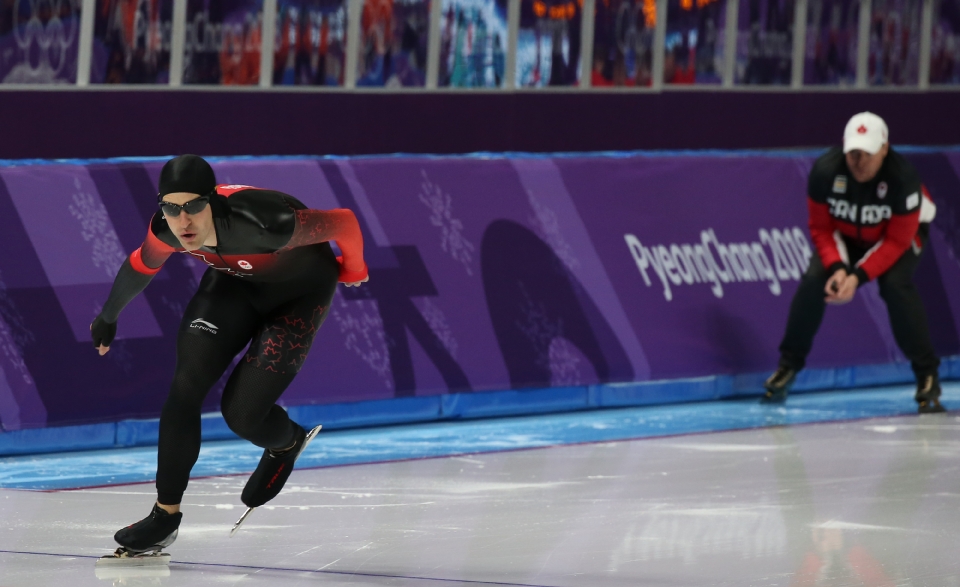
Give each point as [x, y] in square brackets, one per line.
[908, 319]
[226, 314]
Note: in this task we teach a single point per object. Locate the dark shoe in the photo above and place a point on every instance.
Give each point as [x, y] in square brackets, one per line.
[778, 385]
[928, 395]
[156, 531]
[274, 469]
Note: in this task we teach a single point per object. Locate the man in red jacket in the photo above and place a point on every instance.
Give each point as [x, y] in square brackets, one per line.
[869, 219]
[271, 276]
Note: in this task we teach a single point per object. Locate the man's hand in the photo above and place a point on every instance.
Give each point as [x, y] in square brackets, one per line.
[841, 287]
[357, 283]
[103, 333]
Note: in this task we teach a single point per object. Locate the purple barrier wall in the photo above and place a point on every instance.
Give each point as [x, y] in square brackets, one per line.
[486, 274]
[118, 123]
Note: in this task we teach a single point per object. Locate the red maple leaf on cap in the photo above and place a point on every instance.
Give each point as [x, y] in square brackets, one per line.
[862, 129]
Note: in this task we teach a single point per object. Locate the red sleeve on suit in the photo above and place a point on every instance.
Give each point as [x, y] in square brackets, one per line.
[821, 231]
[898, 237]
[151, 255]
[341, 226]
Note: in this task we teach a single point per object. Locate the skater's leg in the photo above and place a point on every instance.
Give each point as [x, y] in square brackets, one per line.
[908, 319]
[249, 406]
[216, 325]
[273, 360]
[249, 401]
[806, 314]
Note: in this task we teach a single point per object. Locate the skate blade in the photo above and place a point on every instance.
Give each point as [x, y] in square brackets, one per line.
[306, 441]
[127, 560]
[309, 437]
[119, 573]
[240, 521]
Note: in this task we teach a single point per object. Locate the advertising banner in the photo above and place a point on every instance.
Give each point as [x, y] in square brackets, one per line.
[473, 43]
[895, 42]
[548, 43]
[694, 41]
[486, 273]
[623, 43]
[765, 42]
[393, 43]
[310, 43]
[39, 41]
[222, 45]
[831, 49]
[132, 42]
[945, 43]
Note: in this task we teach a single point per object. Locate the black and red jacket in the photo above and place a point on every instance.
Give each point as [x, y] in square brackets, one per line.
[880, 217]
[261, 235]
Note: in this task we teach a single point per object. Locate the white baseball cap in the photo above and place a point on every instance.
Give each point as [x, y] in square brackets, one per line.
[865, 131]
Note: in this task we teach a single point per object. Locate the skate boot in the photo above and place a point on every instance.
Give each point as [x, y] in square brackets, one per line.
[274, 469]
[778, 385]
[141, 543]
[928, 395]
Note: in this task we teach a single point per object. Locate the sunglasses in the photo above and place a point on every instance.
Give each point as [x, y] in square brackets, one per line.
[192, 207]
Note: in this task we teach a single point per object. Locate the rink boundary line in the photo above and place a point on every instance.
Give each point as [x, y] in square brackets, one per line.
[291, 570]
[476, 405]
[516, 449]
[774, 152]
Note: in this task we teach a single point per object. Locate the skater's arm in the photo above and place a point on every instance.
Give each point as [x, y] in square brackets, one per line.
[908, 200]
[823, 234]
[899, 235]
[127, 285]
[340, 225]
[136, 272]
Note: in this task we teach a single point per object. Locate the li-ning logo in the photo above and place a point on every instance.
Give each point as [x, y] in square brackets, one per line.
[204, 325]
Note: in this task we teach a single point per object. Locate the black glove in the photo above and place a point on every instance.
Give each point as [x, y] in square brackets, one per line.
[102, 332]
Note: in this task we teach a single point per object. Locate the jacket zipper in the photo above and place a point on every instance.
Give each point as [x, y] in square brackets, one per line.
[859, 215]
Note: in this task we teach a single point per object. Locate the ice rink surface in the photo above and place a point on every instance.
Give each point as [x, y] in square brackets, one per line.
[840, 502]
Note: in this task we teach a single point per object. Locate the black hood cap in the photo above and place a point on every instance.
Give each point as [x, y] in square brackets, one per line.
[187, 173]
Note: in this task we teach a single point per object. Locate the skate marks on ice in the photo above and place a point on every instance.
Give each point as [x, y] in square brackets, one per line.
[835, 499]
[742, 508]
[147, 574]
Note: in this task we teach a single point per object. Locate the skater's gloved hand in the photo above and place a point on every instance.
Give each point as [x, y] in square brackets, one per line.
[842, 290]
[352, 278]
[102, 333]
[357, 283]
[833, 284]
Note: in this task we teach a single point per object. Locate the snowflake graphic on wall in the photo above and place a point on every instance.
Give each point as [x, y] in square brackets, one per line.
[547, 227]
[440, 205]
[14, 335]
[363, 332]
[564, 363]
[545, 333]
[95, 226]
[437, 321]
